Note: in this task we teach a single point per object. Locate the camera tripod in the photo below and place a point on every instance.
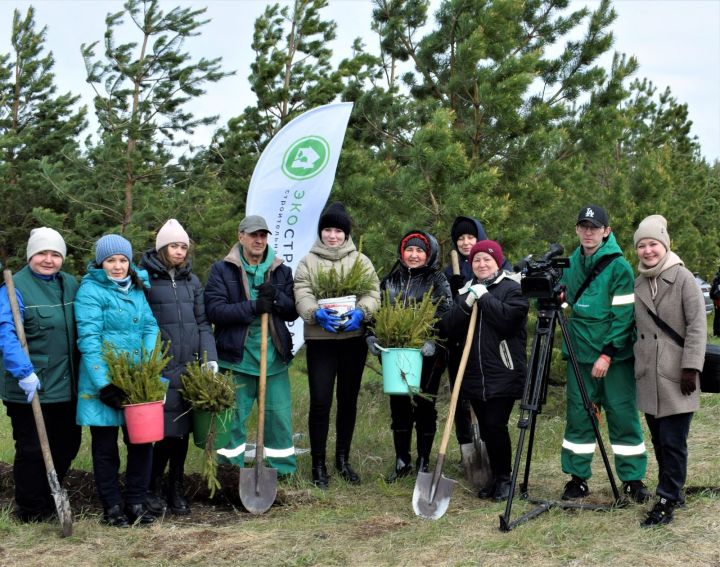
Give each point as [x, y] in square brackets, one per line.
[534, 396]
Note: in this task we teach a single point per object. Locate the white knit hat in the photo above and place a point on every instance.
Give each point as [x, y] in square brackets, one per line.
[654, 226]
[45, 238]
[171, 231]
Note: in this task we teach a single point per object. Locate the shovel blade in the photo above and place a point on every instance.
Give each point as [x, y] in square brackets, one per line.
[62, 504]
[431, 504]
[258, 488]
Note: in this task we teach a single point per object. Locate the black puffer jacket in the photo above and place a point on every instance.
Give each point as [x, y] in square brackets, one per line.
[497, 362]
[178, 305]
[411, 284]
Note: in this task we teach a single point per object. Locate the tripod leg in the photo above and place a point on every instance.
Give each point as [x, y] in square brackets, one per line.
[587, 404]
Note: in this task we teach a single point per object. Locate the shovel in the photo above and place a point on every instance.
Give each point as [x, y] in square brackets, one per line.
[62, 503]
[258, 485]
[431, 496]
[474, 457]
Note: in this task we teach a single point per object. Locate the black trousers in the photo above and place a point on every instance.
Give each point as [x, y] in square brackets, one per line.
[463, 419]
[669, 438]
[326, 360]
[32, 491]
[493, 416]
[172, 450]
[106, 467]
[419, 411]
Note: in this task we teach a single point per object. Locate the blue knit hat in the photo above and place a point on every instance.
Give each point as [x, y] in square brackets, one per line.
[112, 244]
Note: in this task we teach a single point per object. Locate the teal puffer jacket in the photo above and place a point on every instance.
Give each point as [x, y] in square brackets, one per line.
[104, 313]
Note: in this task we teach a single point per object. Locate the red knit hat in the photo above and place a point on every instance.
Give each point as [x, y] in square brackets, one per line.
[489, 247]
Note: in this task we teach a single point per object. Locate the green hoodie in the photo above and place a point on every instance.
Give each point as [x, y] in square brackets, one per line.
[603, 318]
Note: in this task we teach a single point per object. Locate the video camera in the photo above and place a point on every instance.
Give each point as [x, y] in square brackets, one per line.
[541, 276]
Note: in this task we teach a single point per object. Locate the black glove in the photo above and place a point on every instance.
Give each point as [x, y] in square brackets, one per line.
[456, 283]
[688, 381]
[265, 298]
[112, 396]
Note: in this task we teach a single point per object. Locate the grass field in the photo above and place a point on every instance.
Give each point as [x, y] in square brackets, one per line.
[374, 524]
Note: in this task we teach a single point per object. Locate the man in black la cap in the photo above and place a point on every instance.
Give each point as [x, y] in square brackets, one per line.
[601, 329]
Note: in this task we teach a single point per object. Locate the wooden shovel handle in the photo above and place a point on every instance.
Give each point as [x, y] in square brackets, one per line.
[260, 444]
[455, 261]
[458, 383]
[20, 332]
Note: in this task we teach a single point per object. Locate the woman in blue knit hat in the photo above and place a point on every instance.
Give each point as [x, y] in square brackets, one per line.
[111, 307]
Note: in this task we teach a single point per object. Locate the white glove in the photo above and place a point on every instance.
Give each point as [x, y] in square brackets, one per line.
[474, 293]
[29, 384]
[212, 365]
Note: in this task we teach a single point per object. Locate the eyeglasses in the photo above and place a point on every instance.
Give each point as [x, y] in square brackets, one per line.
[587, 228]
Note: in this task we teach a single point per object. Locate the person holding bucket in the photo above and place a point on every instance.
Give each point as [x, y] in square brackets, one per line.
[335, 346]
[111, 308]
[495, 374]
[176, 300]
[669, 355]
[249, 282]
[45, 295]
[416, 272]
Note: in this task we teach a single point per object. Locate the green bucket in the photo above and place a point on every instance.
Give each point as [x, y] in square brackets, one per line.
[401, 371]
[201, 425]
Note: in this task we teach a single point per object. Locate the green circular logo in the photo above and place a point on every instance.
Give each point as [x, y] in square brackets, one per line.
[306, 157]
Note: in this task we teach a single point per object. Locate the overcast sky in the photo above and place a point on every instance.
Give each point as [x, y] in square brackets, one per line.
[677, 43]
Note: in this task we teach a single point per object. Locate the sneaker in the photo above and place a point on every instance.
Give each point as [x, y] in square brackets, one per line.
[662, 513]
[636, 491]
[575, 488]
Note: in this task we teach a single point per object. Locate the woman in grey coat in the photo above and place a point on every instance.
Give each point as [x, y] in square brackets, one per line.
[667, 297]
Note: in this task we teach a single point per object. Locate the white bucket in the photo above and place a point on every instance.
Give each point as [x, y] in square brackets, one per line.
[340, 304]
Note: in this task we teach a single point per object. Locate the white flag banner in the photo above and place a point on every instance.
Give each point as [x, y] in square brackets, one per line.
[292, 181]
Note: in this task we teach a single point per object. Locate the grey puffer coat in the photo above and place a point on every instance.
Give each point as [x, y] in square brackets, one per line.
[658, 358]
[178, 306]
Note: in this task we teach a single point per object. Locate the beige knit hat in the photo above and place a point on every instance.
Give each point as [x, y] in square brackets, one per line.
[171, 231]
[654, 226]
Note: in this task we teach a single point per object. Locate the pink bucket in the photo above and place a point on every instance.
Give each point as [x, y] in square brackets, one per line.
[145, 422]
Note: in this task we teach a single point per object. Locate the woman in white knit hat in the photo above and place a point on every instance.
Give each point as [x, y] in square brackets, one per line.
[46, 296]
[176, 299]
[669, 354]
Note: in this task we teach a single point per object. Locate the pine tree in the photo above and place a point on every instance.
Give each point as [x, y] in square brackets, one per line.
[35, 123]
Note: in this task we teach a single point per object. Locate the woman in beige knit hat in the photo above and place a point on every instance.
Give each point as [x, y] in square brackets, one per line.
[669, 354]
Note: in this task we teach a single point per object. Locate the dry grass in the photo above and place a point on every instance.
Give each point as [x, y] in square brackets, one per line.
[374, 524]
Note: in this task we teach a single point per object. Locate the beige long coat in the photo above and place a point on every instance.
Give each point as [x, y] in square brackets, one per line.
[324, 257]
[658, 358]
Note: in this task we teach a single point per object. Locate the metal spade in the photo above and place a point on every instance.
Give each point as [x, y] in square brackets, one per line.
[258, 485]
[431, 496]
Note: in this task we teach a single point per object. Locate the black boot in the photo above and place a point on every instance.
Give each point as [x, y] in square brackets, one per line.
[401, 440]
[487, 492]
[342, 464]
[136, 514]
[115, 517]
[502, 488]
[319, 471]
[177, 502]
[155, 502]
[424, 447]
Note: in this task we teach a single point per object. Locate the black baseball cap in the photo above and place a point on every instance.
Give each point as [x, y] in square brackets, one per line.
[593, 214]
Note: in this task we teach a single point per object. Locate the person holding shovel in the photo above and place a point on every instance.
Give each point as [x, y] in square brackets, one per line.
[335, 347]
[495, 373]
[46, 296]
[176, 299]
[250, 281]
[669, 355]
[111, 309]
[416, 272]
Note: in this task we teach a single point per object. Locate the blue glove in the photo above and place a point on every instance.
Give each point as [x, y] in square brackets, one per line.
[428, 348]
[328, 319]
[29, 384]
[353, 321]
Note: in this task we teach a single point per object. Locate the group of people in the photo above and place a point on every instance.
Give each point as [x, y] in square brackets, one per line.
[126, 306]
